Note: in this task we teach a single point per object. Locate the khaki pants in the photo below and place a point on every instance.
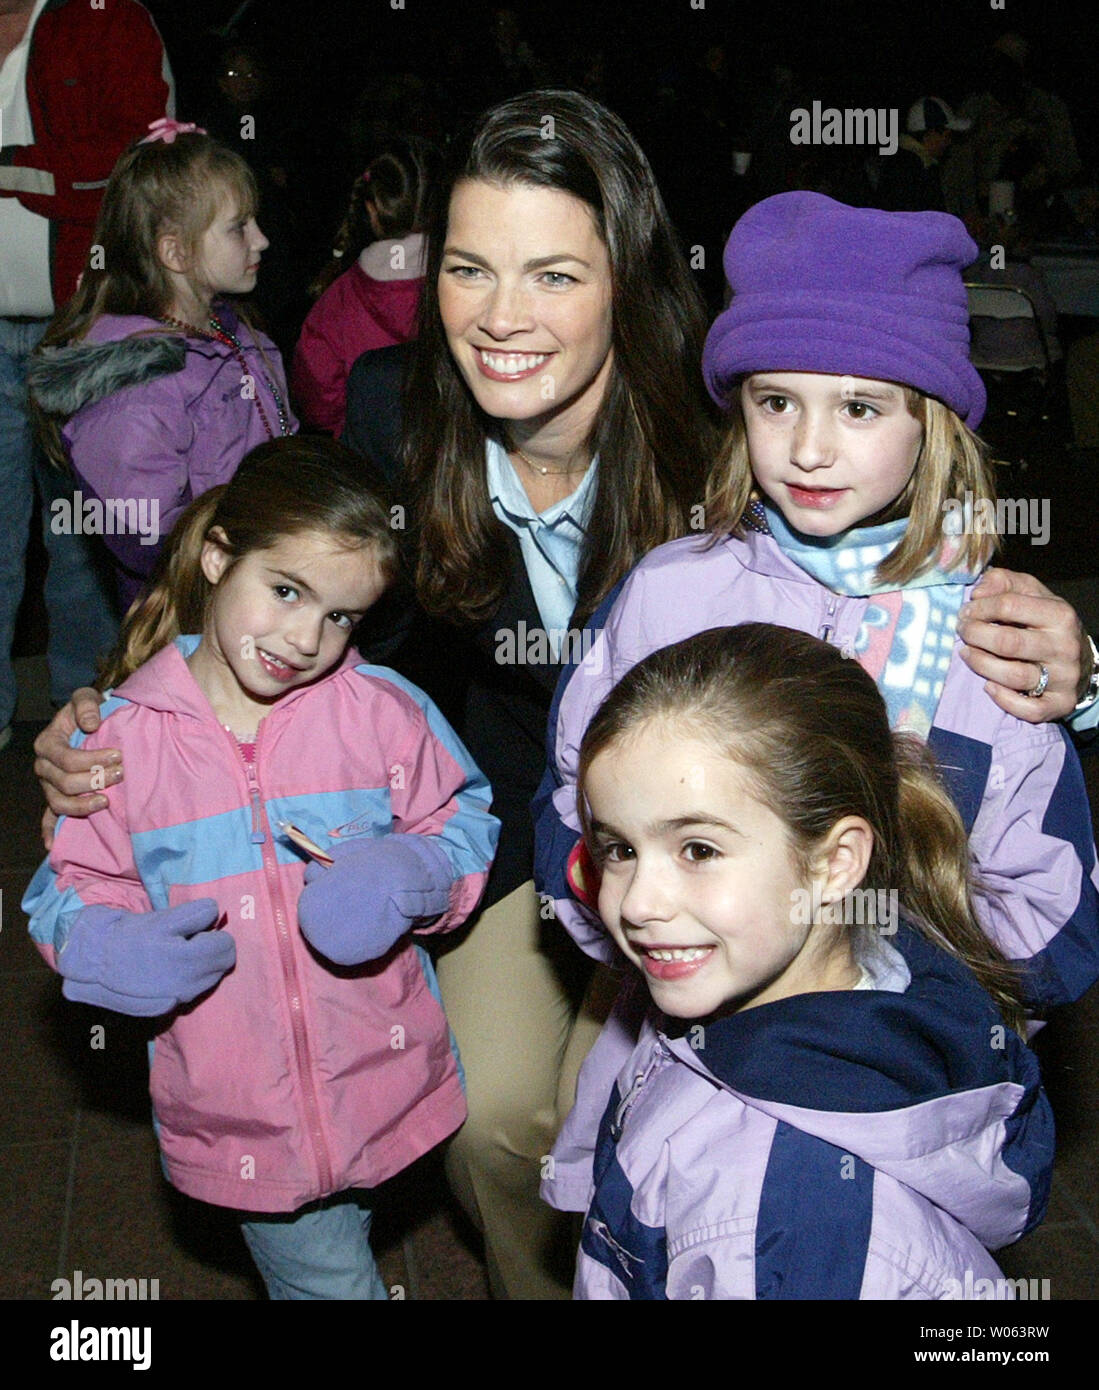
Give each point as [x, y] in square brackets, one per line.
[514, 991]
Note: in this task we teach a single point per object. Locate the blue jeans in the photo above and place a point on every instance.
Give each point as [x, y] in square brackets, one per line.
[322, 1251]
[80, 595]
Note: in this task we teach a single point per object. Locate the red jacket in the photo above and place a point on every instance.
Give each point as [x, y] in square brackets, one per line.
[355, 314]
[96, 77]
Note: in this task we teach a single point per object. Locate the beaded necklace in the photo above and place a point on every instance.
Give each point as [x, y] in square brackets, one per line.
[219, 333]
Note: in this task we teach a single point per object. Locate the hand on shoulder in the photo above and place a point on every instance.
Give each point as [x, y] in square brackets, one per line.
[1014, 626]
[73, 779]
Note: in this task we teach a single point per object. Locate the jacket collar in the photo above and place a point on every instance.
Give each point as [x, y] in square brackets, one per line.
[762, 555]
[165, 683]
[863, 1050]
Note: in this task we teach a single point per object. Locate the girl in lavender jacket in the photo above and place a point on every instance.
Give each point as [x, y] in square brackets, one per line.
[302, 1055]
[149, 382]
[828, 1097]
[853, 502]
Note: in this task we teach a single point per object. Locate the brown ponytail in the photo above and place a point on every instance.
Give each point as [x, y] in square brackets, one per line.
[396, 184]
[937, 884]
[810, 728]
[176, 600]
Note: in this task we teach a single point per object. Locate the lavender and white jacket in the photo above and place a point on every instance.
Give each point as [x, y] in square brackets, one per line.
[859, 1144]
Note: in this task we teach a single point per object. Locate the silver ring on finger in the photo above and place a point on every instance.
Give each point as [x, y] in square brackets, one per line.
[1043, 681]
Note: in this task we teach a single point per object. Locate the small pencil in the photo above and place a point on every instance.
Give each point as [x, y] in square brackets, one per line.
[302, 840]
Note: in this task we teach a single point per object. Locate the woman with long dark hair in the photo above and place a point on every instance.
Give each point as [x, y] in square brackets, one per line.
[553, 434]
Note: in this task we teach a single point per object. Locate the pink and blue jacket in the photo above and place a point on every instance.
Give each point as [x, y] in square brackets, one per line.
[1018, 787]
[860, 1144]
[293, 1078]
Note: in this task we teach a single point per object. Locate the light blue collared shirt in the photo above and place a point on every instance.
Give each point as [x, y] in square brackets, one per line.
[550, 541]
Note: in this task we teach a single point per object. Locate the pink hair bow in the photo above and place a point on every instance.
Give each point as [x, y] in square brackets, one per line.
[167, 129]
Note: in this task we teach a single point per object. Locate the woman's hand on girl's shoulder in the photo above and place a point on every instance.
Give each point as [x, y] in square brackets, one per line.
[73, 779]
[1012, 627]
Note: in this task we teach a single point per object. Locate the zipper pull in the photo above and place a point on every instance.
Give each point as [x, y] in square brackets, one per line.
[257, 837]
[624, 1105]
[828, 628]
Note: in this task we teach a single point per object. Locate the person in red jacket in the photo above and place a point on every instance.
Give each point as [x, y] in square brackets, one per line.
[370, 290]
[78, 83]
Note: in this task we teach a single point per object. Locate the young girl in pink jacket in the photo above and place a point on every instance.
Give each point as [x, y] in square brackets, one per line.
[289, 817]
[371, 287]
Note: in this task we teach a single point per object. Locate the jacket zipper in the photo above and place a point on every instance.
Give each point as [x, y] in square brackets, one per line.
[261, 835]
[636, 1085]
[828, 627]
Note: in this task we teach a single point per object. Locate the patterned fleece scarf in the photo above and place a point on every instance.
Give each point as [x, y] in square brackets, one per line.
[907, 635]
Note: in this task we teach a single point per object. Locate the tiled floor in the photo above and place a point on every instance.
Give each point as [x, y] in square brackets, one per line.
[80, 1186]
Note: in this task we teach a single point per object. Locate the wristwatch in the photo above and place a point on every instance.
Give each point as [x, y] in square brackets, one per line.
[1091, 694]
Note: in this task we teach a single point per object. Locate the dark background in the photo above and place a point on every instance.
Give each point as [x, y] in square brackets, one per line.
[333, 64]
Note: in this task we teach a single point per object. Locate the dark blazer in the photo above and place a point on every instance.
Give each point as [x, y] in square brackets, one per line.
[499, 707]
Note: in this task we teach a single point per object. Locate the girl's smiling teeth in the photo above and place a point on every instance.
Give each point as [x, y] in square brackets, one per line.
[672, 963]
[281, 668]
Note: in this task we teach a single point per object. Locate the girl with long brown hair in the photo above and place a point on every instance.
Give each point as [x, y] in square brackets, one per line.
[829, 1097]
[320, 810]
[553, 434]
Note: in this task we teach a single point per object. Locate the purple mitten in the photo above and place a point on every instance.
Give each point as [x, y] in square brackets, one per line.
[373, 893]
[144, 963]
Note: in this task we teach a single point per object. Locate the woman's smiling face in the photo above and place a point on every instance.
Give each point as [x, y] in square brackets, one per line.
[525, 300]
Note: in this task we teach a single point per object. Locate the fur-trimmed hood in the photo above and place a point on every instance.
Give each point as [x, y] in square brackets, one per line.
[64, 380]
[156, 416]
[124, 350]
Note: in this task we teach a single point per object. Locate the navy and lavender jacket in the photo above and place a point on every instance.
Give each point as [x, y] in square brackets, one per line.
[853, 1144]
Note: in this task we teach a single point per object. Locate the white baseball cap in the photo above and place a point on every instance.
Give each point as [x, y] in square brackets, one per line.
[932, 113]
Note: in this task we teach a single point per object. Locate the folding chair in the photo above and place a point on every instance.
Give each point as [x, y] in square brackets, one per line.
[1008, 346]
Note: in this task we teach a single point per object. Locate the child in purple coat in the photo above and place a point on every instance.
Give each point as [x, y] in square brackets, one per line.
[854, 501]
[149, 383]
[828, 1097]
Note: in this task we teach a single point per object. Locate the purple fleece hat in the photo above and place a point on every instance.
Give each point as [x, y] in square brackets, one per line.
[822, 287]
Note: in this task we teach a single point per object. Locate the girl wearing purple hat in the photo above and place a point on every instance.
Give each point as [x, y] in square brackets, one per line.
[843, 506]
